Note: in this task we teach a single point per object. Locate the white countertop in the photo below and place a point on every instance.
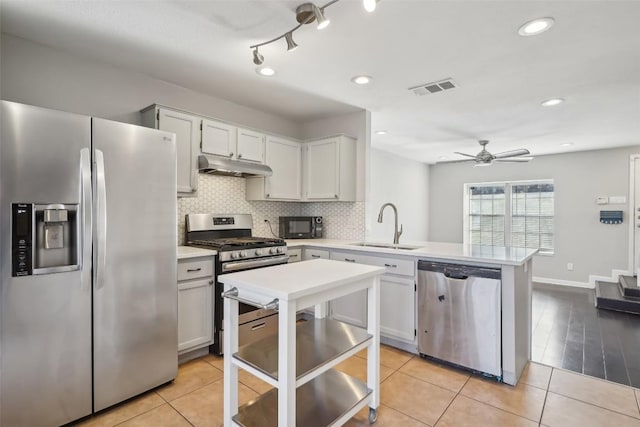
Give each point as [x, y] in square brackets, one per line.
[292, 281]
[503, 255]
[185, 252]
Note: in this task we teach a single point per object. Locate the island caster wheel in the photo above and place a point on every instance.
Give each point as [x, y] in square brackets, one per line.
[373, 415]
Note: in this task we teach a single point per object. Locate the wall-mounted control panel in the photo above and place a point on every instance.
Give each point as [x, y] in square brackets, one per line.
[611, 217]
[22, 239]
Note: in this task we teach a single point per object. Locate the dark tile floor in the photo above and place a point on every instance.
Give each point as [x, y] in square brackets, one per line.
[569, 332]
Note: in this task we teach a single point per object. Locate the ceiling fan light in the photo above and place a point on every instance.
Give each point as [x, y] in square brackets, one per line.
[369, 5]
[482, 164]
[291, 45]
[258, 59]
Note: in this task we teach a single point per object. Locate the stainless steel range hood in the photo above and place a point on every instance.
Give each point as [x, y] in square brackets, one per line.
[215, 165]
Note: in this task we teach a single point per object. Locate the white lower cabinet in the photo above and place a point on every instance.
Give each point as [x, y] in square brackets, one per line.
[195, 303]
[397, 307]
[315, 254]
[397, 297]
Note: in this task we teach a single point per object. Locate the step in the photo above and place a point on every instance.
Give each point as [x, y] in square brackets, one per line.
[608, 296]
[629, 286]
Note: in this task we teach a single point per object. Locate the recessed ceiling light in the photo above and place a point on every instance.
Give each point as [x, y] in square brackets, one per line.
[381, 132]
[361, 80]
[535, 27]
[551, 102]
[265, 71]
[442, 158]
[567, 144]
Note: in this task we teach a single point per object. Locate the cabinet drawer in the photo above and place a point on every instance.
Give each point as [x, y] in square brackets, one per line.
[195, 268]
[315, 254]
[295, 255]
[404, 267]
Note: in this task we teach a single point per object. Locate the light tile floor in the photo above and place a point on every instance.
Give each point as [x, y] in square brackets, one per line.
[414, 392]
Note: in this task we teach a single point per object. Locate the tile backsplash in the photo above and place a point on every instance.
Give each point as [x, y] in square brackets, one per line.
[223, 194]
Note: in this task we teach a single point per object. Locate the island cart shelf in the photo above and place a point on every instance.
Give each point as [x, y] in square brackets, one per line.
[298, 360]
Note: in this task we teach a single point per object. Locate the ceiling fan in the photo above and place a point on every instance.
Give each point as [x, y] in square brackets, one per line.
[485, 158]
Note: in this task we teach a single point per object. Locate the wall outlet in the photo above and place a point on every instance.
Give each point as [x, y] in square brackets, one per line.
[570, 266]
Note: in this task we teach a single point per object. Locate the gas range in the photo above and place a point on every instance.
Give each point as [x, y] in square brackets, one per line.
[237, 250]
[231, 249]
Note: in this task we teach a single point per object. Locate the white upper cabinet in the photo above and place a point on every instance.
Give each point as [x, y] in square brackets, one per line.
[218, 138]
[330, 169]
[187, 130]
[284, 157]
[250, 146]
[222, 139]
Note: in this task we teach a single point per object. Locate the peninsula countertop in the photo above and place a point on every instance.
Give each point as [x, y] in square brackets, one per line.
[503, 255]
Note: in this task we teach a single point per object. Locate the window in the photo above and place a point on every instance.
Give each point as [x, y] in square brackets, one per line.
[516, 214]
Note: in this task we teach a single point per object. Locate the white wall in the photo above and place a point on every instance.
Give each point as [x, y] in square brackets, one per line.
[35, 74]
[579, 177]
[405, 183]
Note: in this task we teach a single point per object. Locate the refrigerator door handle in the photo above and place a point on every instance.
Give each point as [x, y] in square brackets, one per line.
[86, 221]
[101, 221]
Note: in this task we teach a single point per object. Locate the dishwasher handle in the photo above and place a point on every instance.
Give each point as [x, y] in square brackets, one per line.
[455, 275]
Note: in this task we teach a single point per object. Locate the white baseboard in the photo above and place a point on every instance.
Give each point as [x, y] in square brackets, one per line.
[564, 282]
[591, 284]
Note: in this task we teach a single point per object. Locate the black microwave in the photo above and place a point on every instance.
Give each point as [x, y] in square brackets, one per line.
[301, 227]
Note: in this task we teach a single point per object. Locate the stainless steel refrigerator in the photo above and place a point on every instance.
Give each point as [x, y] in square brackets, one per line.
[88, 294]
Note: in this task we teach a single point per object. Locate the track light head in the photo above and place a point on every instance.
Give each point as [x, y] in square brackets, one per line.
[258, 59]
[291, 45]
[322, 21]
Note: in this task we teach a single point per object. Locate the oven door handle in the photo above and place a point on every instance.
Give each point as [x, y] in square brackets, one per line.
[233, 294]
[244, 265]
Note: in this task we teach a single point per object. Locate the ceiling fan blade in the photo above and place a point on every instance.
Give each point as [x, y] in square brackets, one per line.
[512, 153]
[455, 161]
[515, 159]
[464, 154]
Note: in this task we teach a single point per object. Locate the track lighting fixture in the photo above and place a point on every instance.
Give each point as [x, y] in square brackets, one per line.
[306, 13]
[257, 58]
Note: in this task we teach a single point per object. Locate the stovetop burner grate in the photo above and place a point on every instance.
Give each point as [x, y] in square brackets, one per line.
[234, 242]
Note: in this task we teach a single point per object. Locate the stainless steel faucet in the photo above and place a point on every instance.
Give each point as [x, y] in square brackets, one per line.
[396, 233]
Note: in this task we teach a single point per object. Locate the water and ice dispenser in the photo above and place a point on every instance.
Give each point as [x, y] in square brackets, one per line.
[45, 238]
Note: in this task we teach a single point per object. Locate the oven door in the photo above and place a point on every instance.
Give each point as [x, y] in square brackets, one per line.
[254, 323]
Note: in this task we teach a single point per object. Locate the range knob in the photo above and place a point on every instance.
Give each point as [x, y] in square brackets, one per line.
[258, 252]
[243, 254]
[272, 251]
[234, 255]
[280, 249]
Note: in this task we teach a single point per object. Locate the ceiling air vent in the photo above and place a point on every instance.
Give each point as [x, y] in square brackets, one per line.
[434, 87]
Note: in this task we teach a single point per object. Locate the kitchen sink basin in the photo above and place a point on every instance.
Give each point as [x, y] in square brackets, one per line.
[385, 246]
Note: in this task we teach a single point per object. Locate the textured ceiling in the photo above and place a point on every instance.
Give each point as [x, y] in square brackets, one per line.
[591, 57]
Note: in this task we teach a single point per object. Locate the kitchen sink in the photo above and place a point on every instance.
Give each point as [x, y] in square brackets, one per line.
[385, 246]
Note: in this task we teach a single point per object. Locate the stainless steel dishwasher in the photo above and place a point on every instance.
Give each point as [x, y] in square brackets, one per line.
[459, 315]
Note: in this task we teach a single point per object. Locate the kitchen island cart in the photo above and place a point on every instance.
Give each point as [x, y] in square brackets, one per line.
[298, 360]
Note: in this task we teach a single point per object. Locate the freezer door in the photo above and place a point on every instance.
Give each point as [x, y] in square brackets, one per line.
[459, 320]
[45, 320]
[135, 280]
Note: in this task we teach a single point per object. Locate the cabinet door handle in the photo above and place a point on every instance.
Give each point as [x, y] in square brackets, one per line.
[230, 154]
[315, 256]
[335, 196]
[268, 195]
[193, 270]
[293, 255]
[350, 260]
[211, 282]
[239, 155]
[391, 265]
